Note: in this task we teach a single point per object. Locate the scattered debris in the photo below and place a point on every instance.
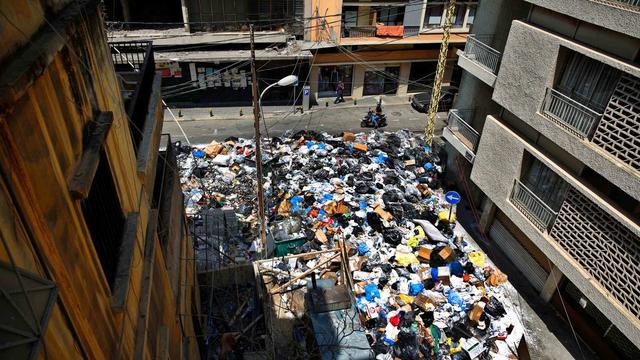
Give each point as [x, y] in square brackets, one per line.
[362, 213]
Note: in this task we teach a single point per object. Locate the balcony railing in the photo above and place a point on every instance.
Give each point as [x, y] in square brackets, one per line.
[482, 54]
[532, 206]
[633, 5]
[570, 114]
[134, 61]
[462, 130]
[359, 31]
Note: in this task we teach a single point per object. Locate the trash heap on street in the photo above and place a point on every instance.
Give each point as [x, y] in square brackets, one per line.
[420, 289]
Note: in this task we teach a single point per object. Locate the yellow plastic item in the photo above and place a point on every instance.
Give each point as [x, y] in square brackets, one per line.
[406, 298]
[418, 235]
[444, 216]
[406, 259]
[477, 258]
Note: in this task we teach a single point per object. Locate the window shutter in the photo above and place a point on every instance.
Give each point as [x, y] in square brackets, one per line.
[412, 16]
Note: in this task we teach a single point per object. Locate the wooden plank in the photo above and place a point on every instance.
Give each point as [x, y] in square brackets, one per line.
[148, 151]
[81, 181]
[147, 284]
[163, 343]
[125, 258]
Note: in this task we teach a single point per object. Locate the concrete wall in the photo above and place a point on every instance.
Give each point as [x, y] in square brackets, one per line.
[617, 19]
[498, 162]
[528, 68]
[493, 18]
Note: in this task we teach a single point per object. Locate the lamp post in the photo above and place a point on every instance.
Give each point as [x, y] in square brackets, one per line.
[257, 111]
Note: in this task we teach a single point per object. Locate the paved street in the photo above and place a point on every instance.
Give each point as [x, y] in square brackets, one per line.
[201, 128]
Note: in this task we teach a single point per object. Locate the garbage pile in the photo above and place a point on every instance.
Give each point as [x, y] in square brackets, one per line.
[421, 291]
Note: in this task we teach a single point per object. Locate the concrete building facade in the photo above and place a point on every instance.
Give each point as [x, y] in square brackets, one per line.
[546, 129]
[381, 48]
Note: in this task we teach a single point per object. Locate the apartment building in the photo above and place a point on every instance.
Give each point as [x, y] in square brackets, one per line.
[202, 47]
[546, 129]
[377, 48]
[95, 256]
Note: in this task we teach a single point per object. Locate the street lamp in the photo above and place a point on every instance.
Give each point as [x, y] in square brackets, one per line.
[285, 81]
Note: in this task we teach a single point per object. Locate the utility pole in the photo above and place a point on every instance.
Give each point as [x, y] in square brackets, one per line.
[256, 126]
[437, 84]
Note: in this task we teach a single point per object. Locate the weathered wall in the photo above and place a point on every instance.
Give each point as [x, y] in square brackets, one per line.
[528, 67]
[43, 114]
[494, 172]
[326, 20]
[607, 16]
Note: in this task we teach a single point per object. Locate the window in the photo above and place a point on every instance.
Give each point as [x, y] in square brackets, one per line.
[545, 183]
[391, 15]
[421, 76]
[329, 77]
[104, 218]
[472, 14]
[433, 16]
[588, 81]
[458, 16]
[383, 81]
[350, 15]
[463, 16]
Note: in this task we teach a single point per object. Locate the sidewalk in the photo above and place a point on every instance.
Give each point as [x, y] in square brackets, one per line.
[233, 112]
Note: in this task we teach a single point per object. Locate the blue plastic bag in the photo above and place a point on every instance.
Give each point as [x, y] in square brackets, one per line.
[456, 268]
[362, 248]
[371, 292]
[198, 154]
[454, 299]
[415, 288]
[428, 166]
[295, 203]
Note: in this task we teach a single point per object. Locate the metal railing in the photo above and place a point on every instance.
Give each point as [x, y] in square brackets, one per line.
[359, 31]
[482, 54]
[569, 113]
[532, 206]
[136, 56]
[462, 130]
[633, 5]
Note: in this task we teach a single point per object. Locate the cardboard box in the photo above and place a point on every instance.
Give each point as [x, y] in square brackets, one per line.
[424, 254]
[385, 215]
[213, 149]
[424, 190]
[348, 136]
[477, 311]
[424, 302]
[410, 162]
[447, 254]
[444, 274]
[360, 147]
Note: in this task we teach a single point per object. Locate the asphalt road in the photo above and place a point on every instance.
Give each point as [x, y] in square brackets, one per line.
[200, 128]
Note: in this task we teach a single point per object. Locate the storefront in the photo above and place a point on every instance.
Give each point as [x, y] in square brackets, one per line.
[329, 76]
[381, 81]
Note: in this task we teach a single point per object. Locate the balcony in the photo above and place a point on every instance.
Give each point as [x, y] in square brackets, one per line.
[633, 5]
[140, 88]
[480, 59]
[462, 136]
[534, 208]
[570, 114]
[358, 31]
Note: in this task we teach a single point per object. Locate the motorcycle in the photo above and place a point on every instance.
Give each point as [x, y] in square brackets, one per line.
[374, 120]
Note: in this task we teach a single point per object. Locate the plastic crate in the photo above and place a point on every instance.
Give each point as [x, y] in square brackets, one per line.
[285, 247]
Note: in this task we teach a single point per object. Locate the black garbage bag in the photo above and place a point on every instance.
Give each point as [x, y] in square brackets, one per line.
[494, 307]
[469, 268]
[392, 236]
[375, 222]
[460, 330]
[321, 174]
[435, 260]
[362, 188]
[392, 196]
[427, 318]
[406, 348]
[396, 210]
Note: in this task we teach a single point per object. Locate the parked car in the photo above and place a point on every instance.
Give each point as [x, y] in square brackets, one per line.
[420, 102]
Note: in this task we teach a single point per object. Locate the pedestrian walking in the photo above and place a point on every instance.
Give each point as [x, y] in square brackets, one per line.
[339, 92]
